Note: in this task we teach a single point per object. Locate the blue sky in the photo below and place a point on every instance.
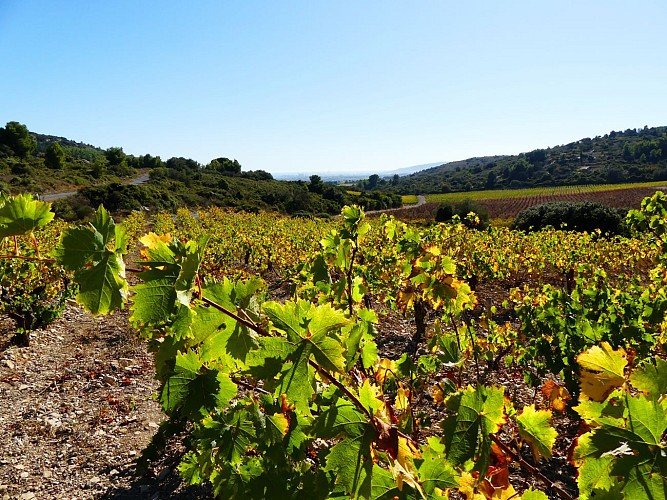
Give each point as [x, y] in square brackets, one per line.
[314, 86]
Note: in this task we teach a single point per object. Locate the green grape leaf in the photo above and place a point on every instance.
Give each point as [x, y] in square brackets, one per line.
[593, 472]
[194, 253]
[358, 339]
[531, 494]
[291, 318]
[383, 485]
[535, 427]
[154, 301]
[202, 323]
[631, 448]
[267, 361]
[351, 462]
[234, 435]
[102, 288]
[121, 238]
[22, 214]
[77, 246]
[297, 379]
[435, 471]
[609, 412]
[277, 427]
[168, 280]
[342, 417]
[647, 418]
[369, 351]
[358, 289]
[369, 397]
[305, 323]
[650, 378]
[475, 414]
[104, 224]
[643, 481]
[194, 389]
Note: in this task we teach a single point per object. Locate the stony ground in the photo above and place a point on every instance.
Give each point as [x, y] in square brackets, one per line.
[77, 409]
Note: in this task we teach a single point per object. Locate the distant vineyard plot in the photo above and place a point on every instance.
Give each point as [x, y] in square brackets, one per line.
[506, 204]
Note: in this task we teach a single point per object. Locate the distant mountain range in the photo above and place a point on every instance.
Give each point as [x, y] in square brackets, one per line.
[364, 174]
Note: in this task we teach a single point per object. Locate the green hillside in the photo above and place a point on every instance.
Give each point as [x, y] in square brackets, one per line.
[45, 164]
[635, 155]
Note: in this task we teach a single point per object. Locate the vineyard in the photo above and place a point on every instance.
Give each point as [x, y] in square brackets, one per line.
[506, 204]
[376, 359]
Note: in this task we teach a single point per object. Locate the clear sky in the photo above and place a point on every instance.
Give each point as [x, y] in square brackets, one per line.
[315, 86]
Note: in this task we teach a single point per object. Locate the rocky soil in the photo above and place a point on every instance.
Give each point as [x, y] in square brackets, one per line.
[77, 409]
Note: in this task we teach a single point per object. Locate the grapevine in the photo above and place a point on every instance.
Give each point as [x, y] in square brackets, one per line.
[291, 399]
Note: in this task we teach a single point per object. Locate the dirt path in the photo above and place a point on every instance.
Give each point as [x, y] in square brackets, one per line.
[76, 412]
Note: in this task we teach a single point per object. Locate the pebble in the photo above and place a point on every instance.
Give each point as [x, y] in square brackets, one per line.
[9, 363]
[163, 474]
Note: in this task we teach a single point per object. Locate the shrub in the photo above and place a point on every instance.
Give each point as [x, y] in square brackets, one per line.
[580, 216]
[447, 211]
[32, 294]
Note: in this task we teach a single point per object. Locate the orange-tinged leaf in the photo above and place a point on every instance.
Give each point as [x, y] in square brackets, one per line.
[438, 395]
[405, 299]
[281, 422]
[557, 395]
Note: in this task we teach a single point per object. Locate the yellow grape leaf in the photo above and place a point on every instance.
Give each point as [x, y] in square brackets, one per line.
[535, 427]
[406, 449]
[280, 422]
[491, 492]
[603, 371]
[402, 398]
[403, 468]
[467, 487]
[557, 395]
[433, 250]
[151, 241]
[405, 299]
[438, 395]
[405, 476]
[385, 368]
[504, 493]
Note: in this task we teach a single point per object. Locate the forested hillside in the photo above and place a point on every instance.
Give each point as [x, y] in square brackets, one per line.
[45, 164]
[635, 155]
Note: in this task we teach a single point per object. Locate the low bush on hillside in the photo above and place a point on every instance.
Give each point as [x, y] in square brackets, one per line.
[581, 216]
